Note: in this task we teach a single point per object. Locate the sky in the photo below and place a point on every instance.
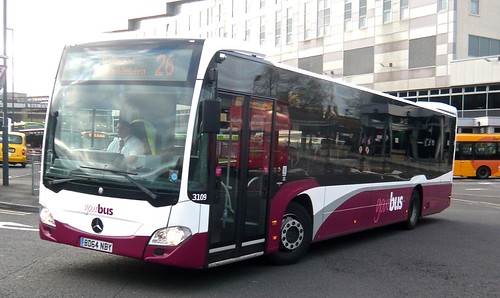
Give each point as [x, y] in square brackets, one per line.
[42, 29]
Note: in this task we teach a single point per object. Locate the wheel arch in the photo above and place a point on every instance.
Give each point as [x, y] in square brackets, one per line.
[306, 202]
[295, 232]
[414, 209]
[420, 189]
[290, 192]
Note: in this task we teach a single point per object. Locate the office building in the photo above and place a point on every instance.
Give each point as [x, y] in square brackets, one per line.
[426, 50]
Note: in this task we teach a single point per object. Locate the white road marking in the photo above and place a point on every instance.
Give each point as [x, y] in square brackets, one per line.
[12, 212]
[477, 202]
[16, 226]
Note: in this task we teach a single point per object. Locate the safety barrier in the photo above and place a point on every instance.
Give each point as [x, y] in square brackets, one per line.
[36, 165]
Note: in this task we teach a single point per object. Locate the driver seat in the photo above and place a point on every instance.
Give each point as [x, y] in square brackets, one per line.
[146, 132]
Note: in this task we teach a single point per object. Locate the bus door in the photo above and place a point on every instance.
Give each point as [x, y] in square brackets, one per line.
[464, 156]
[237, 221]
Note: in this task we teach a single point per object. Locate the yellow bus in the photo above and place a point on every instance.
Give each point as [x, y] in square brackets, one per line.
[477, 155]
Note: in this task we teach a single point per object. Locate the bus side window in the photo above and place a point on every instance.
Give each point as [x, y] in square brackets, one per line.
[466, 151]
[485, 150]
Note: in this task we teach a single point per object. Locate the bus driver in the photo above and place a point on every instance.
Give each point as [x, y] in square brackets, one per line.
[126, 143]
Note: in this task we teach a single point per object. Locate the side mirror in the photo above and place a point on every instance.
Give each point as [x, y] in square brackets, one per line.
[210, 116]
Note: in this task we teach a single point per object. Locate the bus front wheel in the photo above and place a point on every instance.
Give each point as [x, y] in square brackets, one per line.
[483, 172]
[295, 235]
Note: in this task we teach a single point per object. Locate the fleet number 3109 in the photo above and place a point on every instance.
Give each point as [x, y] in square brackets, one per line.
[199, 197]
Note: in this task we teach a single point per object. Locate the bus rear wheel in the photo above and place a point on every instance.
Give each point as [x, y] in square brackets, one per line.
[413, 210]
[295, 235]
[483, 172]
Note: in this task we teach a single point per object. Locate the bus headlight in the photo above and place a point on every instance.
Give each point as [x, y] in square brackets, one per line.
[47, 218]
[171, 236]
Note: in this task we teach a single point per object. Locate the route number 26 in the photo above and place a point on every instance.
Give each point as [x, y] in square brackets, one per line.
[166, 66]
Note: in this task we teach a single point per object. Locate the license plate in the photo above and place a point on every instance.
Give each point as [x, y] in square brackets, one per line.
[96, 245]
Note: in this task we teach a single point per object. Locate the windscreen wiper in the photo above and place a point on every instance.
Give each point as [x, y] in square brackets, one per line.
[128, 177]
[64, 180]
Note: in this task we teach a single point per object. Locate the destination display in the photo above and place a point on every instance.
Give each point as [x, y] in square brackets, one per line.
[128, 65]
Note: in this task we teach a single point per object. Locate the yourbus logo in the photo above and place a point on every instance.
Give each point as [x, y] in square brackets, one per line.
[392, 203]
[98, 209]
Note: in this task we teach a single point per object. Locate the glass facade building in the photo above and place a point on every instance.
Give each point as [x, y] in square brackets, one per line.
[432, 50]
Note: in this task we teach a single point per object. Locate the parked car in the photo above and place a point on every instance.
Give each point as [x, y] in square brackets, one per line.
[18, 153]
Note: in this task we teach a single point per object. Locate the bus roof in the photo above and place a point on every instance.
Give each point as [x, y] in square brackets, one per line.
[477, 137]
[213, 45]
[439, 106]
[219, 44]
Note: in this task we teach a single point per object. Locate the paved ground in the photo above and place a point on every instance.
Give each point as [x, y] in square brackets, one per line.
[18, 194]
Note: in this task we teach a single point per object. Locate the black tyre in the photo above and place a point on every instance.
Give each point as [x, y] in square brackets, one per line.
[483, 172]
[295, 235]
[413, 210]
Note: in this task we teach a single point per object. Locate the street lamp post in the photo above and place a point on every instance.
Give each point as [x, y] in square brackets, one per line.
[12, 72]
[5, 131]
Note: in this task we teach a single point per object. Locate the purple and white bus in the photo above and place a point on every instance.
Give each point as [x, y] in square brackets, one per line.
[243, 157]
